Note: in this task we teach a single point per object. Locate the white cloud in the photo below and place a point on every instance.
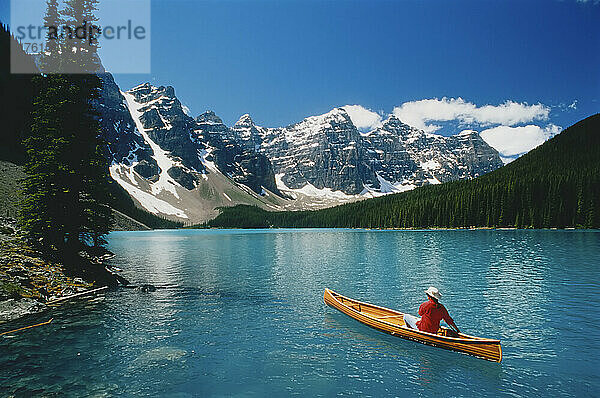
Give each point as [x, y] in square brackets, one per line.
[573, 105]
[508, 127]
[514, 141]
[363, 118]
[419, 113]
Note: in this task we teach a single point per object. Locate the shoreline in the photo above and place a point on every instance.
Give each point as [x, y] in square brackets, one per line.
[29, 283]
[401, 229]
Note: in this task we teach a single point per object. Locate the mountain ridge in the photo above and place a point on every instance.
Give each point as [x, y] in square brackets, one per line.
[556, 185]
[320, 161]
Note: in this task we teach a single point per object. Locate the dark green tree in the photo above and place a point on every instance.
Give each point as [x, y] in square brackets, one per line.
[81, 55]
[16, 92]
[66, 190]
[52, 21]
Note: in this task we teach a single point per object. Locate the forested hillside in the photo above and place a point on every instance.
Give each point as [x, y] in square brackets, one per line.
[554, 185]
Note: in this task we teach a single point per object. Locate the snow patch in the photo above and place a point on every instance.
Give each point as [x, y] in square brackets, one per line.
[165, 182]
[388, 187]
[430, 165]
[311, 190]
[207, 163]
[148, 201]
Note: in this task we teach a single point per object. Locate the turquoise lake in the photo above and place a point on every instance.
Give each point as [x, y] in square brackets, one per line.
[240, 313]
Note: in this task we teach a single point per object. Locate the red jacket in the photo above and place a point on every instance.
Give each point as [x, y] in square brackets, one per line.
[431, 315]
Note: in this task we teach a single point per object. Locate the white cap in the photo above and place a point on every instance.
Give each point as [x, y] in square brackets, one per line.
[433, 292]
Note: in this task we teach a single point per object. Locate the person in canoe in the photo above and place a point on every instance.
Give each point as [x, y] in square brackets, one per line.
[432, 312]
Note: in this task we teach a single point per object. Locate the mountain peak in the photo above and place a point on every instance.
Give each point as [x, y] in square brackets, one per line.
[338, 115]
[209, 117]
[146, 86]
[394, 121]
[465, 133]
[311, 124]
[169, 91]
[143, 89]
[338, 111]
[244, 121]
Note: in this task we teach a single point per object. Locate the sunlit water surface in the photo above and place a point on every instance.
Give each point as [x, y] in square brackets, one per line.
[240, 313]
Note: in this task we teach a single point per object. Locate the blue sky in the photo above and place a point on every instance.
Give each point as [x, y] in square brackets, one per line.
[283, 60]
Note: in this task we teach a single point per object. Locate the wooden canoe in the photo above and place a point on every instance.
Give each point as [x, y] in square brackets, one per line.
[392, 322]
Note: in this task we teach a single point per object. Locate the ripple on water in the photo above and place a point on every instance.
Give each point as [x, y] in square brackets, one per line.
[241, 313]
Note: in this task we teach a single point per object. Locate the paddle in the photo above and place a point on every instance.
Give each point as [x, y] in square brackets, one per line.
[455, 329]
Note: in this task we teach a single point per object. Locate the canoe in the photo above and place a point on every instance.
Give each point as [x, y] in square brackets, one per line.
[392, 322]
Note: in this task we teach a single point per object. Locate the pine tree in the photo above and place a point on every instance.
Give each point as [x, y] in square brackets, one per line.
[81, 55]
[41, 213]
[50, 62]
[67, 184]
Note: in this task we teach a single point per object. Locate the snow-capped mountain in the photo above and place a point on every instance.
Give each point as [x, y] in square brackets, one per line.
[328, 152]
[325, 151]
[244, 165]
[172, 164]
[125, 144]
[405, 157]
[184, 168]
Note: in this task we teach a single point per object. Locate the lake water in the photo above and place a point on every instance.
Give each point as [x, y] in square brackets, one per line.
[240, 313]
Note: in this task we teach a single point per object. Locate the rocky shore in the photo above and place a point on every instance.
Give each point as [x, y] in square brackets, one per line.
[28, 281]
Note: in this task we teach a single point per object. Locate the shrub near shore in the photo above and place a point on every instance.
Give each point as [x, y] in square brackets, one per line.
[28, 280]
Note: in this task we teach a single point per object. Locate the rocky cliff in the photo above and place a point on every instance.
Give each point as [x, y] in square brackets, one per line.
[328, 151]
